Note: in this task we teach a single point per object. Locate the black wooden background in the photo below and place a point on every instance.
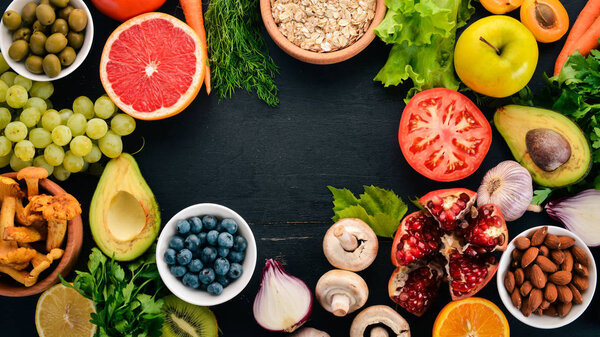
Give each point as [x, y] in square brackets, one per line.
[334, 126]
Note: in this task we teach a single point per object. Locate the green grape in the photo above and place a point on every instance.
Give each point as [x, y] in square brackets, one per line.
[42, 90]
[104, 107]
[5, 117]
[15, 131]
[40, 138]
[81, 145]
[16, 96]
[51, 119]
[94, 155]
[84, 106]
[17, 164]
[39, 161]
[85, 167]
[36, 102]
[30, 116]
[111, 144]
[64, 115]
[54, 154]
[8, 77]
[61, 135]
[5, 160]
[72, 163]
[3, 64]
[49, 104]
[77, 123]
[23, 81]
[122, 124]
[60, 173]
[3, 90]
[96, 128]
[5, 146]
[24, 150]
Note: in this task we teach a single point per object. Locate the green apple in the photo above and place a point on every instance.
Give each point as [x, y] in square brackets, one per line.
[496, 56]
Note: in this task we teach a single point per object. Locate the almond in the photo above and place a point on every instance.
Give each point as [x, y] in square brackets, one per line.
[509, 282]
[551, 311]
[539, 312]
[580, 256]
[563, 309]
[564, 294]
[525, 288]
[557, 256]
[535, 299]
[544, 251]
[530, 254]
[516, 299]
[539, 236]
[566, 242]
[538, 278]
[580, 269]
[545, 304]
[577, 298]
[519, 277]
[525, 309]
[552, 241]
[545, 263]
[514, 264]
[550, 292]
[560, 278]
[516, 254]
[522, 243]
[567, 264]
[580, 282]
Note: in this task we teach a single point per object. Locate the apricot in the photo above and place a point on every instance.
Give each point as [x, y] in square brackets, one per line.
[546, 19]
[501, 6]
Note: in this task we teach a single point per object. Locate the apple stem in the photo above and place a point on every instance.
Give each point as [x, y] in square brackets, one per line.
[489, 44]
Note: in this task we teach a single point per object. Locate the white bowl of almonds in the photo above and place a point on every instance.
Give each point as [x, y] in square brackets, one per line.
[551, 269]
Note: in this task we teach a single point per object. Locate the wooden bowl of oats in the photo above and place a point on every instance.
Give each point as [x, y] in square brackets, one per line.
[322, 31]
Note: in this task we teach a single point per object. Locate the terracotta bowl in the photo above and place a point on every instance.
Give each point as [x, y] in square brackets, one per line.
[72, 246]
[314, 57]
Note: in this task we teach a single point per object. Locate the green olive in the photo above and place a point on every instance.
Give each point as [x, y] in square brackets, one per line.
[38, 27]
[28, 13]
[67, 56]
[22, 33]
[75, 40]
[59, 3]
[60, 26]
[45, 14]
[55, 43]
[37, 43]
[18, 50]
[33, 63]
[12, 20]
[63, 13]
[77, 20]
[51, 65]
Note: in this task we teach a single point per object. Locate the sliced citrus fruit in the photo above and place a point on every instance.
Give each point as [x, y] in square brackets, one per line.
[471, 317]
[63, 312]
[153, 66]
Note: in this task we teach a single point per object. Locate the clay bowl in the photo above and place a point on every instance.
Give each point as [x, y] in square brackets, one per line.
[314, 57]
[72, 247]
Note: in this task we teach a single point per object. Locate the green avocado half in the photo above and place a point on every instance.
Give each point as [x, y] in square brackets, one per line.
[124, 215]
[515, 121]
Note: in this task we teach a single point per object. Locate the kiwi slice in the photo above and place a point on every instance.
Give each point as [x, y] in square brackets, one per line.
[187, 320]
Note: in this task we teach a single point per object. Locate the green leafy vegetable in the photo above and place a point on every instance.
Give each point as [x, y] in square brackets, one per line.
[380, 208]
[127, 300]
[423, 33]
[539, 196]
[238, 54]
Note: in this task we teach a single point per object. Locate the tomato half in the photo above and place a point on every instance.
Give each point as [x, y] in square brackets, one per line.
[443, 135]
[123, 10]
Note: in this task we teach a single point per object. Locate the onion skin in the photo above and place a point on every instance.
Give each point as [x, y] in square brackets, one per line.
[580, 214]
[509, 186]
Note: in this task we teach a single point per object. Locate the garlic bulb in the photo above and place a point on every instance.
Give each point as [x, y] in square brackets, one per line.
[508, 186]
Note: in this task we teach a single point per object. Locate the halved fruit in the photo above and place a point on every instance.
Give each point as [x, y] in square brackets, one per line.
[548, 20]
[62, 311]
[185, 319]
[418, 236]
[474, 316]
[488, 229]
[449, 206]
[414, 287]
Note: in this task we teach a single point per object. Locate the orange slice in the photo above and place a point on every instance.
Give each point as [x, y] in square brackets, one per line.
[63, 312]
[471, 317]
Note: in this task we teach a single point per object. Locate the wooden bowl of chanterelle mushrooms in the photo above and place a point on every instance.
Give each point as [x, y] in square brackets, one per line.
[40, 232]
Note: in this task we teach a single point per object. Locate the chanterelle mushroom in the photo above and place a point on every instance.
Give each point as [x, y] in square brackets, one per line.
[32, 176]
[350, 244]
[341, 292]
[379, 315]
[62, 208]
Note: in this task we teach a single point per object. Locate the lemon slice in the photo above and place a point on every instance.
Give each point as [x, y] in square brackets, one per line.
[63, 312]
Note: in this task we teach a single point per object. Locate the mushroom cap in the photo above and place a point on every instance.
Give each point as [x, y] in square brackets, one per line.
[341, 283]
[62, 206]
[32, 172]
[357, 259]
[9, 188]
[379, 314]
[310, 332]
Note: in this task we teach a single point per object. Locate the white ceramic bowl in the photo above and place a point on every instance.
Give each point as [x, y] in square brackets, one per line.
[197, 296]
[546, 322]
[19, 67]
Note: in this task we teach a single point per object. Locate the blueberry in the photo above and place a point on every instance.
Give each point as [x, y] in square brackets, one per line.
[176, 243]
[223, 280]
[195, 266]
[208, 255]
[203, 286]
[211, 237]
[192, 242]
[210, 222]
[236, 256]
[215, 288]
[178, 271]
[183, 227]
[219, 227]
[170, 256]
[230, 225]
[202, 237]
[239, 243]
[191, 280]
[184, 257]
[206, 276]
[221, 266]
[225, 240]
[222, 251]
[196, 224]
[235, 271]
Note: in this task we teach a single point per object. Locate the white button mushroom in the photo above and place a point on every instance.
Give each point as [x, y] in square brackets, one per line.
[341, 292]
[310, 332]
[350, 244]
[379, 315]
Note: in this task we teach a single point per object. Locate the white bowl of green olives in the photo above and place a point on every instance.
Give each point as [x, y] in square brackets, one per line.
[45, 40]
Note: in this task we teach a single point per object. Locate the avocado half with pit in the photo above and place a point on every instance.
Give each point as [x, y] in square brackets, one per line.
[548, 144]
[124, 215]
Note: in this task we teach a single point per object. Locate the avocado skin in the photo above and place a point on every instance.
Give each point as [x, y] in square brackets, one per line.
[514, 121]
[123, 174]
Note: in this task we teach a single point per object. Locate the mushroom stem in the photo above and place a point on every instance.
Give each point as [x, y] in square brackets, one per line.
[340, 304]
[347, 240]
[379, 332]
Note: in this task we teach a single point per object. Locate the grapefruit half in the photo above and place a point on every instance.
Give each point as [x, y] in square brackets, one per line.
[153, 66]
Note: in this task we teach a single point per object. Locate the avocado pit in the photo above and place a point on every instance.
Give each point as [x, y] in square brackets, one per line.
[547, 148]
[125, 217]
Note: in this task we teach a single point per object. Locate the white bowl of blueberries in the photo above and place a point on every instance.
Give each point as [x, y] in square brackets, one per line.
[206, 254]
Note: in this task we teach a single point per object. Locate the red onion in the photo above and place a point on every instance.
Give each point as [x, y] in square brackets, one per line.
[283, 302]
[580, 214]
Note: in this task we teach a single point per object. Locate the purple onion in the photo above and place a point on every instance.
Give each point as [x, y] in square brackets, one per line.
[580, 213]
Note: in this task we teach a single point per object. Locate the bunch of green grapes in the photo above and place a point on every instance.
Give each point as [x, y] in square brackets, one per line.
[61, 141]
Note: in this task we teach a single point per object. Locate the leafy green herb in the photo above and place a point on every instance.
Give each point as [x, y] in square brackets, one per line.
[238, 54]
[381, 209]
[126, 297]
[539, 196]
